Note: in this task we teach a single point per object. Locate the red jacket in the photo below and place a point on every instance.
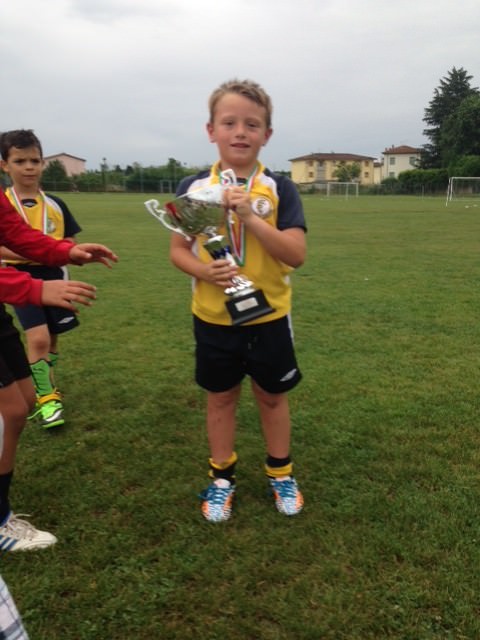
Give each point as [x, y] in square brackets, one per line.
[18, 287]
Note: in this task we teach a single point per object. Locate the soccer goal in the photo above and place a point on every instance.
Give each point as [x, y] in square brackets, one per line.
[344, 189]
[463, 189]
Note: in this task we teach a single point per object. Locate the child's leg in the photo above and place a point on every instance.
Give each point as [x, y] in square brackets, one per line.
[217, 499]
[276, 424]
[38, 341]
[16, 401]
[221, 422]
[275, 418]
[39, 347]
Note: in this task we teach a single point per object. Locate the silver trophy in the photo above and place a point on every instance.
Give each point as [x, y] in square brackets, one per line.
[202, 212]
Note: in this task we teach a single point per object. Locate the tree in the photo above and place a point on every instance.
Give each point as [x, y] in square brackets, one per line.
[465, 166]
[460, 134]
[347, 172]
[55, 177]
[447, 98]
[89, 181]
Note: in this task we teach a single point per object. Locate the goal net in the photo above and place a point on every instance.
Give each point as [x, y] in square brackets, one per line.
[463, 188]
[344, 189]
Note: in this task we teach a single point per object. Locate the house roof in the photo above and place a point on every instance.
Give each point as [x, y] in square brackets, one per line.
[334, 157]
[60, 155]
[404, 148]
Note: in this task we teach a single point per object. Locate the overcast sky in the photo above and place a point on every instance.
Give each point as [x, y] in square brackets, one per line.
[129, 80]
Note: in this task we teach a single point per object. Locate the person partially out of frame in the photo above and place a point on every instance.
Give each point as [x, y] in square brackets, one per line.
[17, 392]
[22, 160]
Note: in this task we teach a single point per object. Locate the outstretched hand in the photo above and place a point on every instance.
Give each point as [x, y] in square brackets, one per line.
[67, 293]
[86, 252]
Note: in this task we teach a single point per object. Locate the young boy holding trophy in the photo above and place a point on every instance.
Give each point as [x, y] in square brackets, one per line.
[251, 333]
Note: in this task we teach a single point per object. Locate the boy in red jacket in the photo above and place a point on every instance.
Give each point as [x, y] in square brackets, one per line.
[17, 392]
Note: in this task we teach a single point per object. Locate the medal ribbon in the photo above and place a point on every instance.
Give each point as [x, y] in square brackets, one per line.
[236, 228]
[21, 210]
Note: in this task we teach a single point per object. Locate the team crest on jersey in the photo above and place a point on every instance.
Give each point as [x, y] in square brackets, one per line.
[262, 207]
[51, 226]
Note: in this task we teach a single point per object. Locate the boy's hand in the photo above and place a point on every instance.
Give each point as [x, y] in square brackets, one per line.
[90, 252]
[237, 199]
[220, 272]
[64, 293]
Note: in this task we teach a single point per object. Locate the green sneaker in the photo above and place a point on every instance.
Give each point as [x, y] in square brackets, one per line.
[35, 412]
[52, 413]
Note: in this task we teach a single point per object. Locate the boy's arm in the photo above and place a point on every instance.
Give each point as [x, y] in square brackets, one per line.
[287, 245]
[19, 288]
[18, 236]
[218, 272]
[8, 254]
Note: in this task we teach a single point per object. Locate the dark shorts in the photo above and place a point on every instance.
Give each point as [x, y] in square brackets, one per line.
[226, 354]
[13, 360]
[57, 319]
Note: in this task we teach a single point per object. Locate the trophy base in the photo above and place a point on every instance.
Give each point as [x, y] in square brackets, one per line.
[248, 306]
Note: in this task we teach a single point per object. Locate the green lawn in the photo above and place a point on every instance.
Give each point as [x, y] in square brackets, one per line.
[386, 446]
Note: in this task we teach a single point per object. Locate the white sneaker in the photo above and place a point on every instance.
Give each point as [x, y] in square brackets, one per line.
[20, 535]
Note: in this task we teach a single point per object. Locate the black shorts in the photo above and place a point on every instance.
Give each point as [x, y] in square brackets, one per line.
[13, 359]
[57, 319]
[226, 354]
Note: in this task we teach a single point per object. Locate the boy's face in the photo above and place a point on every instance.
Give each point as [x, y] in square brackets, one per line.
[24, 166]
[239, 130]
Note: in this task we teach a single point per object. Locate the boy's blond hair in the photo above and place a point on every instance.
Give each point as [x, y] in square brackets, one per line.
[246, 88]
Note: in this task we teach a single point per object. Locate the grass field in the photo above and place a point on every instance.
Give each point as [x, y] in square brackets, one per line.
[386, 446]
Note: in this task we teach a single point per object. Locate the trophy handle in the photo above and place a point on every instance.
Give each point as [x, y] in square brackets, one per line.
[153, 207]
[228, 178]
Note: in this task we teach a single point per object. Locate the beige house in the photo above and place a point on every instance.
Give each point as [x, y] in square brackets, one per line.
[398, 159]
[73, 165]
[320, 167]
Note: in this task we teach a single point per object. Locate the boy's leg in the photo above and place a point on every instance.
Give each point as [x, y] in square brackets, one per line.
[39, 345]
[52, 357]
[16, 400]
[221, 408]
[276, 424]
[217, 499]
[275, 418]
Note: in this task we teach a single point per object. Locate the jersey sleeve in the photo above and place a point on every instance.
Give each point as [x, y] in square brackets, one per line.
[71, 225]
[290, 208]
[184, 185]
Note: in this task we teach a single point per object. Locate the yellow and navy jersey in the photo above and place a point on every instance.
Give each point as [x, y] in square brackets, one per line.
[275, 199]
[48, 214]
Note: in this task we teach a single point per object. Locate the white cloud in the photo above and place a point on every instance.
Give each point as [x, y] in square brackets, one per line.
[130, 81]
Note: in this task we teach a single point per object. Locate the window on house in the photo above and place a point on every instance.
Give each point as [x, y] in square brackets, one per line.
[310, 174]
[412, 160]
[391, 160]
[366, 174]
[391, 174]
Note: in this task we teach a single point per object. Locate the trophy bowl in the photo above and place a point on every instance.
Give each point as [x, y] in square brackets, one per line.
[192, 214]
[201, 212]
